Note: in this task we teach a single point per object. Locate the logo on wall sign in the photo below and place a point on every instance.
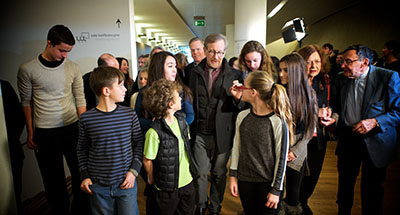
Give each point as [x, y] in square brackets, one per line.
[86, 36]
[83, 37]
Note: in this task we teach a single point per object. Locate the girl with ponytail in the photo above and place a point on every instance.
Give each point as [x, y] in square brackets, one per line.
[261, 143]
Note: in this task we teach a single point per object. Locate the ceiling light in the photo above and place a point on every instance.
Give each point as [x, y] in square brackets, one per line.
[142, 35]
[276, 9]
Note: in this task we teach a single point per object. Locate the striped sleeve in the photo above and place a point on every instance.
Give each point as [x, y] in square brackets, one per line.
[281, 133]
[83, 151]
[137, 144]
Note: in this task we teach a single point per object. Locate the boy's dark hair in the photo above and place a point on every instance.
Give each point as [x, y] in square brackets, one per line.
[156, 98]
[60, 34]
[104, 77]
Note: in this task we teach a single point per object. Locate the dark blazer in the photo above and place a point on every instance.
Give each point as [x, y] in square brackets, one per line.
[382, 102]
[188, 70]
[90, 97]
[227, 107]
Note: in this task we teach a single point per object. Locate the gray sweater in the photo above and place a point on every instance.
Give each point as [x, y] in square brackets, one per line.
[53, 93]
[260, 149]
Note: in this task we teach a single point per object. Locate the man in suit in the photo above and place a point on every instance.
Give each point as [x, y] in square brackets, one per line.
[369, 105]
[214, 126]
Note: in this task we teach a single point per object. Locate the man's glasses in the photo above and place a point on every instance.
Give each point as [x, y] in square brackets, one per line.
[348, 61]
[218, 53]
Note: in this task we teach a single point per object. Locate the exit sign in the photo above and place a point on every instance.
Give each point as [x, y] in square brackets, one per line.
[199, 22]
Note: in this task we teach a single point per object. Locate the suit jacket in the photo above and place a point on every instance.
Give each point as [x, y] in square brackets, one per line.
[381, 101]
[227, 108]
[90, 97]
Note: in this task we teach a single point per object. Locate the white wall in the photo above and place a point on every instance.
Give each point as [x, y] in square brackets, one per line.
[24, 30]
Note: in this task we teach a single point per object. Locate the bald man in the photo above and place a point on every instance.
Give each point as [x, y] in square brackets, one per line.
[105, 59]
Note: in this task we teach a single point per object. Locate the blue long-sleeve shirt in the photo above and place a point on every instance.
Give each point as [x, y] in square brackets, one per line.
[110, 143]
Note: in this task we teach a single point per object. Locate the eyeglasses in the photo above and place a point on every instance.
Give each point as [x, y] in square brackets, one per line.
[243, 88]
[218, 53]
[315, 62]
[348, 61]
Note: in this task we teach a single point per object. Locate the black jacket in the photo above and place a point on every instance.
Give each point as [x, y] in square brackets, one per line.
[223, 105]
[166, 164]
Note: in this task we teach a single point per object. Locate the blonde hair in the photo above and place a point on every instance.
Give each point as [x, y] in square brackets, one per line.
[274, 96]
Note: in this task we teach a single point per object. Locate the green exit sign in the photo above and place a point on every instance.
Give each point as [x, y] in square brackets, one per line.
[199, 22]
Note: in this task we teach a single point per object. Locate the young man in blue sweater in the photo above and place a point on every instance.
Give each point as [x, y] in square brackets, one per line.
[110, 147]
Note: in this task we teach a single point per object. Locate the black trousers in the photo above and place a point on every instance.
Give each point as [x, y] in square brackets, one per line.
[253, 196]
[315, 159]
[293, 184]
[178, 202]
[350, 158]
[54, 143]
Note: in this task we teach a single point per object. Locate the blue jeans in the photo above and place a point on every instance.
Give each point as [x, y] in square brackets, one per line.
[113, 200]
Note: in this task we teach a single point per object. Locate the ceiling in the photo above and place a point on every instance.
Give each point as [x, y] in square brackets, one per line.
[173, 20]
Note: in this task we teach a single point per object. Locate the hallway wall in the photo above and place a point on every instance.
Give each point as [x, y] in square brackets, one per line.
[364, 23]
[94, 24]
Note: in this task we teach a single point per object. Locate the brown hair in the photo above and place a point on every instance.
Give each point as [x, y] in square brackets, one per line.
[104, 76]
[302, 97]
[274, 96]
[156, 72]
[307, 51]
[266, 61]
[157, 97]
[181, 59]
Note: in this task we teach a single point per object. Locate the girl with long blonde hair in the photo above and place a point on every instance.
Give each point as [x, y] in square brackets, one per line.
[262, 139]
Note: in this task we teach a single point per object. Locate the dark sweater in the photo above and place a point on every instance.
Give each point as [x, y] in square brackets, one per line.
[110, 143]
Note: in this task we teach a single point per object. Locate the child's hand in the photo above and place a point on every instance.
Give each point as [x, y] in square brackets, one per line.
[272, 201]
[233, 186]
[85, 185]
[129, 181]
[291, 156]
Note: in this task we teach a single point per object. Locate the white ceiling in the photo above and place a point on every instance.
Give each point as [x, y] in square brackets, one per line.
[173, 19]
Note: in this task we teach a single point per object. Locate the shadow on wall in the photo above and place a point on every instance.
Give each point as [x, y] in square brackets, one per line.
[10, 60]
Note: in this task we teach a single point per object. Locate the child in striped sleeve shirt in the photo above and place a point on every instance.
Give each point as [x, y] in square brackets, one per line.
[110, 147]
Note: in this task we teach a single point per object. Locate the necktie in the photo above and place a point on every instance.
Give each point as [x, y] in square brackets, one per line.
[210, 81]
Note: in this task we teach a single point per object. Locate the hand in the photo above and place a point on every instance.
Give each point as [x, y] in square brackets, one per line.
[129, 181]
[236, 93]
[324, 112]
[233, 186]
[364, 126]
[327, 121]
[272, 201]
[85, 186]
[150, 180]
[291, 156]
[30, 144]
